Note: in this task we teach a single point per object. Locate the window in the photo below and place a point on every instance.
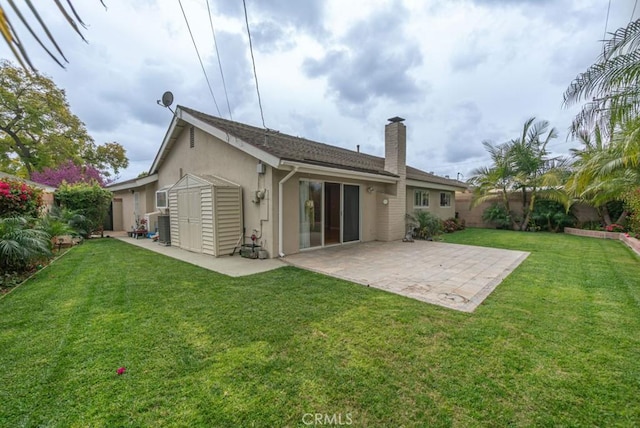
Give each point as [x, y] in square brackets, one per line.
[445, 199]
[421, 198]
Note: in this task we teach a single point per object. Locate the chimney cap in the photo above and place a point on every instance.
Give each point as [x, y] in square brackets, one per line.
[396, 119]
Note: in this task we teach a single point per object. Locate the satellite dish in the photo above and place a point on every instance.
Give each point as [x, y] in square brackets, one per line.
[167, 99]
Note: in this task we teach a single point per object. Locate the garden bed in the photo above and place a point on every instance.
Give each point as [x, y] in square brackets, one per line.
[632, 242]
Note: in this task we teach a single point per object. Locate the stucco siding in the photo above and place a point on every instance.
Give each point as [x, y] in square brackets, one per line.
[291, 220]
[212, 156]
[434, 202]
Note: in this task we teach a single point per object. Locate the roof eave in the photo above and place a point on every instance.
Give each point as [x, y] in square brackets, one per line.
[132, 184]
[338, 172]
[432, 185]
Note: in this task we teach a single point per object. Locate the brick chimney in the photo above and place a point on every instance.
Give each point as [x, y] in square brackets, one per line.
[395, 147]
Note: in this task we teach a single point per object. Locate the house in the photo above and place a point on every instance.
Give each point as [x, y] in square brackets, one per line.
[219, 182]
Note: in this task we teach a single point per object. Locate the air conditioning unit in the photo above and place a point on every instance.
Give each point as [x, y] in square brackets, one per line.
[162, 199]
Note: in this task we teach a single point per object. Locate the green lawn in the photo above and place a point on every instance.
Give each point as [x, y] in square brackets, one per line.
[556, 344]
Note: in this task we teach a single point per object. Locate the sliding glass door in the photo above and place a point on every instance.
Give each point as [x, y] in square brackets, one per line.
[329, 213]
[310, 208]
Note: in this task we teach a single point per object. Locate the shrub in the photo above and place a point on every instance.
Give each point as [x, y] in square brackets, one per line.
[632, 201]
[614, 227]
[88, 200]
[21, 244]
[60, 222]
[424, 224]
[18, 199]
[452, 224]
[498, 215]
[550, 216]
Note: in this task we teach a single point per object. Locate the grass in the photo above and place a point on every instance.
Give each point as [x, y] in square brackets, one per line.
[556, 344]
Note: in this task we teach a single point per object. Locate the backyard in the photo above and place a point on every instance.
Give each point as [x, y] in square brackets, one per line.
[555, 344]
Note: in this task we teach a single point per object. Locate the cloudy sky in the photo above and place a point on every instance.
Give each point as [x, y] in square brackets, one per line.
[459, 71]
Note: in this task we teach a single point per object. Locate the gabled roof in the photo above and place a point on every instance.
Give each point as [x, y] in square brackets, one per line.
[274, 148]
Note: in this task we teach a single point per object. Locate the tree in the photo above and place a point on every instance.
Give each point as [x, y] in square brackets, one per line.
[69, 173]
[38, 130]
[611, 84]
[521, 165]
[535, 173]
[496, 181]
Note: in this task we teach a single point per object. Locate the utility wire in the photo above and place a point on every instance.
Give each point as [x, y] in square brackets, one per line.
[255, 75]
[634, 9]
[199, 58]
[215, 43]
[606, 23]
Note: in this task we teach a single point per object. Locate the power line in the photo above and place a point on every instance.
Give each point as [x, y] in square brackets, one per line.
[606, 23]
[634, 9]
[255, 75]
[199, 58]
[215, 43]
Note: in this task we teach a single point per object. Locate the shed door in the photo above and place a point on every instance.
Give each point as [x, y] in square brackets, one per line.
[190, 219]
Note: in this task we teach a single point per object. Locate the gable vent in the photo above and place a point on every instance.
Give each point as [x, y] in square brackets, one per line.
[192, 137]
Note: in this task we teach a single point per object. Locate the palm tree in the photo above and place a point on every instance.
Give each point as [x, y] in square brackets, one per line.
[605, 172]
[12, 38]
[20, 244]
[523, 165]
[494, 182]
[535, 173]
[612, 84]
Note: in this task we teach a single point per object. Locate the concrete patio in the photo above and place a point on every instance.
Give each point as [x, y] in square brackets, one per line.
[458, 277]
[455, 276]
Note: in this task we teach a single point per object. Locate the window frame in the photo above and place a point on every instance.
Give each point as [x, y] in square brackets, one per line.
[422, 192]
[447, 196]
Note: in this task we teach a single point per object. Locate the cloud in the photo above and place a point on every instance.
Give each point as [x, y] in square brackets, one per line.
[373, 60]
[307, 15]
[463, 136]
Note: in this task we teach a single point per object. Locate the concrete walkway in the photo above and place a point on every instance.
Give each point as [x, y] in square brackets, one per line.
[454, 276]
[227, 265]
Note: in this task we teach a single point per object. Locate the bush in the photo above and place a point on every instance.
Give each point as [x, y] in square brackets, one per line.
[18, 199]
[550, 216]
[498, 215]
[614, 227]
[451, 225]
[60, 222]
[21, 244]
[632, 201]
[424, 224]
[88, 200]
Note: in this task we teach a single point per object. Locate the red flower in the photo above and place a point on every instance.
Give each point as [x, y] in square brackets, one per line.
[121, 370]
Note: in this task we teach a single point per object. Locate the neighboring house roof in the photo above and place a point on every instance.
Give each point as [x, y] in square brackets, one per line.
[44, 187]
[278, 147]
[132, 183]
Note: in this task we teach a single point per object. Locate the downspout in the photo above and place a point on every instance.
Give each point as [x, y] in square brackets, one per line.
[280, 208]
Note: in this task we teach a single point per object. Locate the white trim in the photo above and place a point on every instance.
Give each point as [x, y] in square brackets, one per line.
[280, 208]
[305, 168]
[435, 186]
[428, 198]
[133, 184]
[239, 144]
